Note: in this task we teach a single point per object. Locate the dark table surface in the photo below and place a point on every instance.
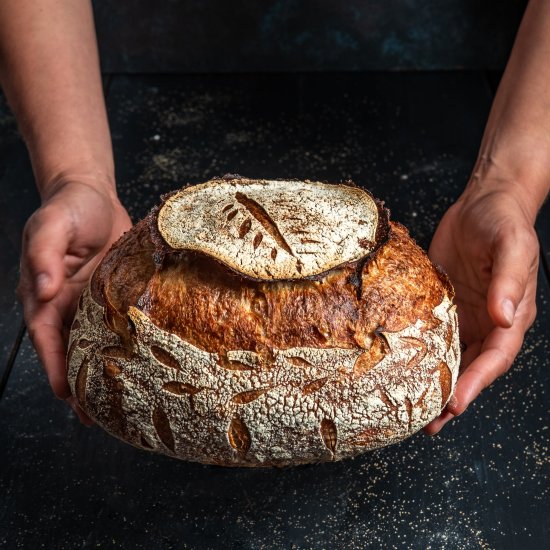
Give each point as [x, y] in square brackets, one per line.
[410, 138]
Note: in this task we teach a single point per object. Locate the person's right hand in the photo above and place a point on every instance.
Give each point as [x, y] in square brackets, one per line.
[63, 242]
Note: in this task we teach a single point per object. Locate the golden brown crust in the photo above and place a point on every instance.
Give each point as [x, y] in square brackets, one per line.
[224, 311]
[399, 284]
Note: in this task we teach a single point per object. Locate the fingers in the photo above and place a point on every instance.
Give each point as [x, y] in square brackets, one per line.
[497, 355]
[82, 416]
[435, 425]
[470, 353]
[46, 332]
[50, 347]
[61, 243]
[515, 261]
[45, 243]
[481, 373]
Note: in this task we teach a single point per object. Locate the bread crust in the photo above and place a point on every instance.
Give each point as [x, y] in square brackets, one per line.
[178, 352]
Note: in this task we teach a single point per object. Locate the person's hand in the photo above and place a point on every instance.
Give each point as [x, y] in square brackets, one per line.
[487, 245]
[62, 243]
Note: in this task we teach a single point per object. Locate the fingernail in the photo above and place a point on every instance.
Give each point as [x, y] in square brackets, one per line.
[42, 281]
[509, 311]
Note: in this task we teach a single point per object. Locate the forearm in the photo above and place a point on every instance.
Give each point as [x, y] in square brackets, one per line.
[515, 151]
[49, 71]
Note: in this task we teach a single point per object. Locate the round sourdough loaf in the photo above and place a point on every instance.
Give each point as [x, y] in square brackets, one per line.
[265, 323]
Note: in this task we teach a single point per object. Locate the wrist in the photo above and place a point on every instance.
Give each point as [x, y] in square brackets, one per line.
[59, 158]
[101, 180]
[527, 185]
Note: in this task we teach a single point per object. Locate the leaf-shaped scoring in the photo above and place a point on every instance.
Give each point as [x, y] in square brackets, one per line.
[239, 436]
[248, 396]
[329, 434]
[165, 358]
[180, 388]
[162, 427]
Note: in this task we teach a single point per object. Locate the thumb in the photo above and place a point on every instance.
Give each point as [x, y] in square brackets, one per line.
[45, 244]
[515, 256]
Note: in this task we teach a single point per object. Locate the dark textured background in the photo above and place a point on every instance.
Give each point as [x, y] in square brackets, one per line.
[412, 139]
[305, 35]
[482, 484]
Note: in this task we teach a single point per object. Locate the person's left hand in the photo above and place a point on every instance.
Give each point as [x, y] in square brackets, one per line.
[487, 245]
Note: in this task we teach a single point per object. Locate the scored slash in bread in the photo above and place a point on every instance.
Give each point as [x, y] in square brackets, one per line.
[265, 323]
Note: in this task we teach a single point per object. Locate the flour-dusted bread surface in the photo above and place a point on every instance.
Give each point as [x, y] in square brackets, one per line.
[196, 340]
[292, 229]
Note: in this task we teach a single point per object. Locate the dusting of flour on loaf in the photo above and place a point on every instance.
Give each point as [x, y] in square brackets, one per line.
[272, 229]
[275, 413]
